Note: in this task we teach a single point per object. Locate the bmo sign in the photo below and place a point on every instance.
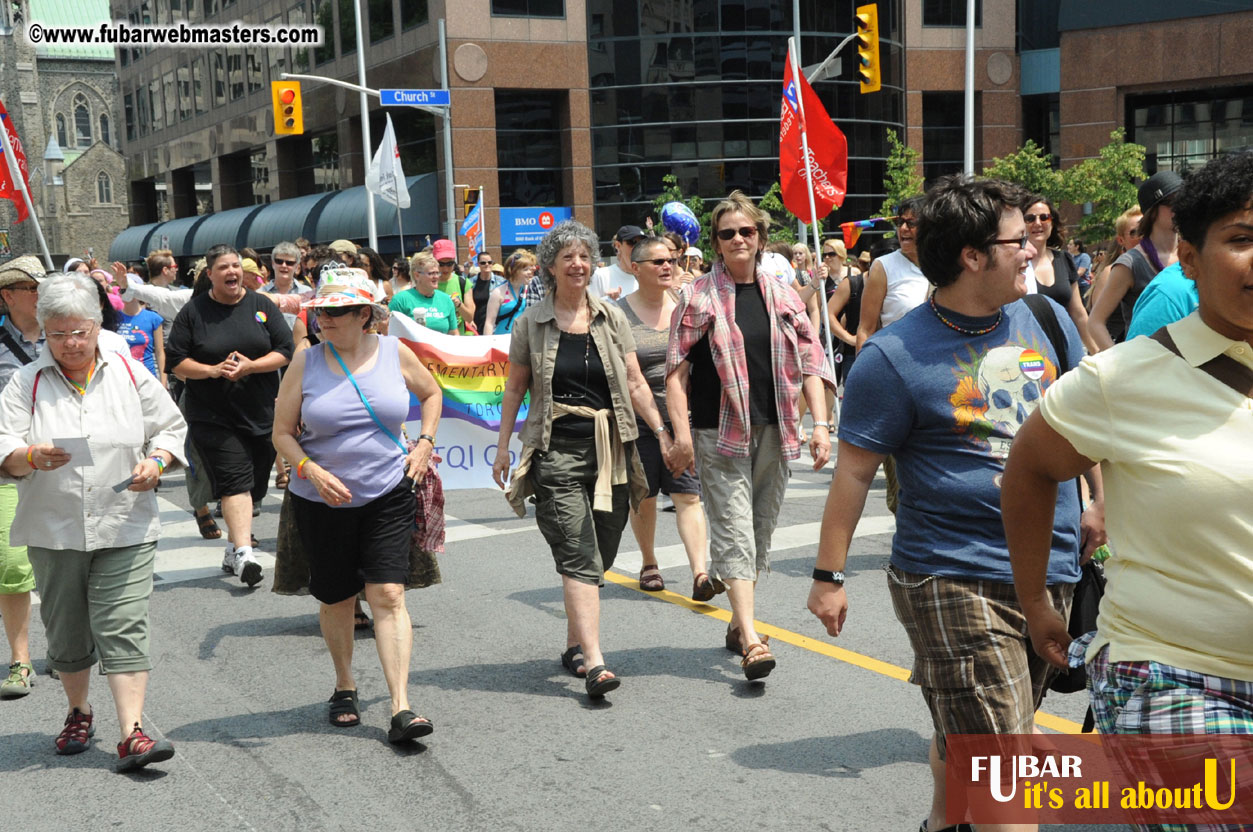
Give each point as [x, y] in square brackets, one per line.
[527, 226]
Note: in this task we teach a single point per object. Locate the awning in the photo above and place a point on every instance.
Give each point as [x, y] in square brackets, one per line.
[320, 218]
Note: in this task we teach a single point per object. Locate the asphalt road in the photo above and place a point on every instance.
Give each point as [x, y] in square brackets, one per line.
[834, 739]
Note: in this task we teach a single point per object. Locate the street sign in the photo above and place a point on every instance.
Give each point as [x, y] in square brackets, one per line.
[527, 226]
[407, 98]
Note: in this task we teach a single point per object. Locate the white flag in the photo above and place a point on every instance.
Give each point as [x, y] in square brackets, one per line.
[384, 176]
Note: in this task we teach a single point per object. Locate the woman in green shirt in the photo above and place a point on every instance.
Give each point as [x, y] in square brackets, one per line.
[422, 301]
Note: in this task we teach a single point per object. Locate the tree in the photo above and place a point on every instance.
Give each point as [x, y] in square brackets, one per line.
[1107, 182]
[1030, 168]
[782, 221]
[673, 193]
[902, 180]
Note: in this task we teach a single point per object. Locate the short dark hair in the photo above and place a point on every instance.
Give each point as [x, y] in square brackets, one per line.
[960, 211]
[913, 205]
[211, 256]
[1222, 186]
[1057, 238]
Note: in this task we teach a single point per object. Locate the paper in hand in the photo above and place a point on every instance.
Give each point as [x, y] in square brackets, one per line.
[77, 448]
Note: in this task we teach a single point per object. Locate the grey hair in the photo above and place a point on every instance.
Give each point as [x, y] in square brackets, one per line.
[286, 250]
[564, 234]
[72, 295]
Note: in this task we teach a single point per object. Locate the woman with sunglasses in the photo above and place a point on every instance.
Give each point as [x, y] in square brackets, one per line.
[741, 353]
[1135, 269]
[339, 414]
[894, 284]
[1052, 270]
[507, 302]
[575, 354]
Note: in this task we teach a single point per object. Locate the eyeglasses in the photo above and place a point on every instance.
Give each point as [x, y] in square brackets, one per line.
[1038, 217]
[659, 261]
[77, 334]
[904, 222]
[829, 254]
[1021, 242]
[450, 263]
[278, 261]
[336, 311]
[748, 232]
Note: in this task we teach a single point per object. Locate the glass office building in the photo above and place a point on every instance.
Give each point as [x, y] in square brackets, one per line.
[693, 88]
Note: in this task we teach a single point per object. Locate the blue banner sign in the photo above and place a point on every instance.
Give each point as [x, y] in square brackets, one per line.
[527, 226]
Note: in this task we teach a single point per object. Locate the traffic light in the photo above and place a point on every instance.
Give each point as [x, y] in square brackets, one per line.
[868, 47]
[289, 115]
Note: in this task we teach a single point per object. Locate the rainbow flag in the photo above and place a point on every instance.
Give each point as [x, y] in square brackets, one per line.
[471, 370]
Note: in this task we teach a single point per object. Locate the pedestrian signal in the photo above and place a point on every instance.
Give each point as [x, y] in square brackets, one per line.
[868, 47]
[289, 118]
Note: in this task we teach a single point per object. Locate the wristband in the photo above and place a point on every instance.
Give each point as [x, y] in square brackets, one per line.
[829, 577]
[659, 431]
[825, 425]
[30, 450]
[300, 468]
[160, 463]
[428, 438]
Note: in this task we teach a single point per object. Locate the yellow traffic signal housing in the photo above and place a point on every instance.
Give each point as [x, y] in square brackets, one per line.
[868, 47]
[289, 116]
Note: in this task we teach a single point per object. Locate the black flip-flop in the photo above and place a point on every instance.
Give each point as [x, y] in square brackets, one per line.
[361, 621]
[344, 703]
[596, 683]
[957, 827]
[407, 726]
[571, 659]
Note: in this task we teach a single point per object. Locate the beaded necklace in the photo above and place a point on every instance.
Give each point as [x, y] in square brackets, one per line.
[999, 314]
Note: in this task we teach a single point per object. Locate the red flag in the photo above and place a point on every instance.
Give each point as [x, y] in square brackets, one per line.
[827, 148]
[8, 187]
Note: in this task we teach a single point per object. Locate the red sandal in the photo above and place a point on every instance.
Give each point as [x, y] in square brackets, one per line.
[76, 736]
[138, 750]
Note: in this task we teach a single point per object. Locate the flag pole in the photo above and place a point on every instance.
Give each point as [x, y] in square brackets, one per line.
[813, 210]
[19, 182]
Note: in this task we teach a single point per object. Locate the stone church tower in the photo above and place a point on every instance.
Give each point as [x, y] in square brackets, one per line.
[64, 104]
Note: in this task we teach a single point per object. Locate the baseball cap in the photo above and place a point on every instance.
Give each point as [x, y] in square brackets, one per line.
[1156, 188]
[693, 251]
[627, 233]
[444, 250]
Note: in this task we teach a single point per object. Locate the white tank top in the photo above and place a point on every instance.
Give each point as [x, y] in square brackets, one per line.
[907, 287]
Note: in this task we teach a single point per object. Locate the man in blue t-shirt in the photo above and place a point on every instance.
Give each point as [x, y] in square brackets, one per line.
[944, 390]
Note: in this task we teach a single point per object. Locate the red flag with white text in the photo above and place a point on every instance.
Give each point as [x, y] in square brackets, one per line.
[11, 168]
[828, 150]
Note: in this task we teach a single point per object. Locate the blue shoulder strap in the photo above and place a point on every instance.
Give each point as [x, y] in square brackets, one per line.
[364, 400]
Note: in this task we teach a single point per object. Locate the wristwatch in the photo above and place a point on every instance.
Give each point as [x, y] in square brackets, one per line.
[830, 577]
[659, 431]
[428, 438]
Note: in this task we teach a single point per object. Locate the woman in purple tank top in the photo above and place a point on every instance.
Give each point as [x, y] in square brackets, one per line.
[338, 419]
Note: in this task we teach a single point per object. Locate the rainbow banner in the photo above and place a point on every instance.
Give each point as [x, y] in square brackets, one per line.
[471, 371]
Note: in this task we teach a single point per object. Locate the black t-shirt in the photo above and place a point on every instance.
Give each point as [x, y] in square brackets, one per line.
[1064, 276]
[481, 292]
[207, 332]
[579, 379]
[705, 399]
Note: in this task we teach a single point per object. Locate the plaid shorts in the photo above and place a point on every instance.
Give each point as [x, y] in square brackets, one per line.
[1155, 698]
[972, 654]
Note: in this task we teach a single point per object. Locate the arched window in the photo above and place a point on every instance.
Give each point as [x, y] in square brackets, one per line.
[104, 189]
[82, 121]
[61, 137]
[104, 128]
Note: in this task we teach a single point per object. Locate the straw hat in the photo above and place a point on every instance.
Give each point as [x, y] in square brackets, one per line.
[21, 269]
[346, 286]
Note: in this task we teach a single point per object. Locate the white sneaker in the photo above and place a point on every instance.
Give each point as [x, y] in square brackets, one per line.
[242, 562]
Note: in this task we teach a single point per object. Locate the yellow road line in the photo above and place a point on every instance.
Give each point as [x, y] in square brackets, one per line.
[1055, 723]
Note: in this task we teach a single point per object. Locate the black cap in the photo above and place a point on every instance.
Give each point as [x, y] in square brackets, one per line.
[1156, 188]
[629, 232]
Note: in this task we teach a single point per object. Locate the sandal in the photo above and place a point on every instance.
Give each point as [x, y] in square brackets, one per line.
[138, 750]
[704, 588]
[344, 703]
[596, 683]
[572, 659]
[957, 827]
[650, 579]
[407, 726]
[734, 642]
[361, 621]
[208, 529]
[758, 660]
[21, 679]
[77, 733]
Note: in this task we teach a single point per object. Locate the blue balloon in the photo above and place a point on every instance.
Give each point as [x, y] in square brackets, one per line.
[678, 218]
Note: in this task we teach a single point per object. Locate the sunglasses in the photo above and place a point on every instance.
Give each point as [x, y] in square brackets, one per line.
[748, 232]
[23, 288]
[659, 261]
[450, 263]
[902, 222]
[337, 311]
[1021, 242]
[485, 262]
[1038, 217]
[278, 261]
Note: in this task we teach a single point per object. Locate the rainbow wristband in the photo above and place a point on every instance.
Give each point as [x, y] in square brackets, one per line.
[30, 450]
[160, 461]
[300, 468]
